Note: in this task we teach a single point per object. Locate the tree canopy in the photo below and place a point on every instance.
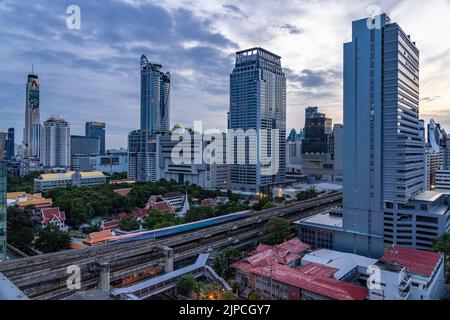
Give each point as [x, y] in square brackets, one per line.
[442, 244]
[20, 232]
[276, 231]
[129, 224]
[51, 239]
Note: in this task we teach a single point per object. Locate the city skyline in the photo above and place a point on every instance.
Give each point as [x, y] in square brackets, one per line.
[199, 50]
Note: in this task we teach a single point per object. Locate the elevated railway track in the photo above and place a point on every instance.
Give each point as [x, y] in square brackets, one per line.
[44, 277]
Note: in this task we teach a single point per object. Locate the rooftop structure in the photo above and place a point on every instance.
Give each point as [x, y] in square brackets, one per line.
[270, 271]
[98, 238]
[345, 264]
[52, 216]
[408, 274]
[420, 262]
[23, 199]
[71, 178]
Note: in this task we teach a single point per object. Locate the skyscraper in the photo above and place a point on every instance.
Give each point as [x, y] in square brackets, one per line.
[97, 130]
[258, 102]
[36, 136]
[10, 144]
[3, 212]
[318, 129]
[155, 98]
[383, 167]
[32, 111]
[56, 143]
[155, 119]
[385, 202]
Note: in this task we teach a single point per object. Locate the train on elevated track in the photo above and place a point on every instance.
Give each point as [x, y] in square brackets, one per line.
[170, 231]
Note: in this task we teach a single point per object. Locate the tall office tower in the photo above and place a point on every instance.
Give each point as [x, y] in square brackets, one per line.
[384, 153]
[431, 167]
[55, 143]
[84, 151]
[36, 136]
[422, 130]
[155, 119]
[10, 145]
[3, 212]
[258, 102]
[32, 112]
[97, 130]
[3, 143]
[155, 98]
[318, 129]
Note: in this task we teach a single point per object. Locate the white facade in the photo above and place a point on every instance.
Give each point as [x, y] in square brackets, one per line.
[396, 283]
[56, 143]
[443, 179]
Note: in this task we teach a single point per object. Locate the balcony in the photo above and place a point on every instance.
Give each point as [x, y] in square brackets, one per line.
[405, 284]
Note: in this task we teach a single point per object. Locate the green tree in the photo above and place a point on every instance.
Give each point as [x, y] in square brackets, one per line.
[186, 284]
[442, 244]
[129, 224]
[22, 184]
[20, 232]
[199, 213]
[156, 220]
[51, 239]
[276, 230]
[223, 261]
[307, 194]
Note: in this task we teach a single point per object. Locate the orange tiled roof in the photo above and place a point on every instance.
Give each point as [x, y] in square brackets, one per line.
[96, 238]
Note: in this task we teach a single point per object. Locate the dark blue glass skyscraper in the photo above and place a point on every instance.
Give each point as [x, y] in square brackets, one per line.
[97, 130]
[10, 145]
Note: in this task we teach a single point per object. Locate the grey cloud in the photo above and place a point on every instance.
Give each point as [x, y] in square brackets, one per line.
[291, 29]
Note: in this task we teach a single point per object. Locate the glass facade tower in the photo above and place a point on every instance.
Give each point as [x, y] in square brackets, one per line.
[155, 98]
[384, 154]
[95, 129]
[2, 210]
[258, 102]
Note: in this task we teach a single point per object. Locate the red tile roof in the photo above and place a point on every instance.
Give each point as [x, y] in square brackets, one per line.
[318, 270]
[48, 214]
[417, 261]
[110, 225]
[325, 286]
[162, 206]
[283, 253]
[208, 203]
[272, 261]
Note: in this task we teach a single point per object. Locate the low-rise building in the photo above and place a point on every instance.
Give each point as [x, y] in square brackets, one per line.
[408, 274]
[46, 182]
[271, 271]
[98, 238]
[52, 216]
[351, 267]
[23, 199]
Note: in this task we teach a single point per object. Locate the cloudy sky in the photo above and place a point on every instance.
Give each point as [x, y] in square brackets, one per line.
[93, 73]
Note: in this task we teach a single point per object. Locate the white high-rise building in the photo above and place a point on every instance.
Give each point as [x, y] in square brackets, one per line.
[55, 143]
